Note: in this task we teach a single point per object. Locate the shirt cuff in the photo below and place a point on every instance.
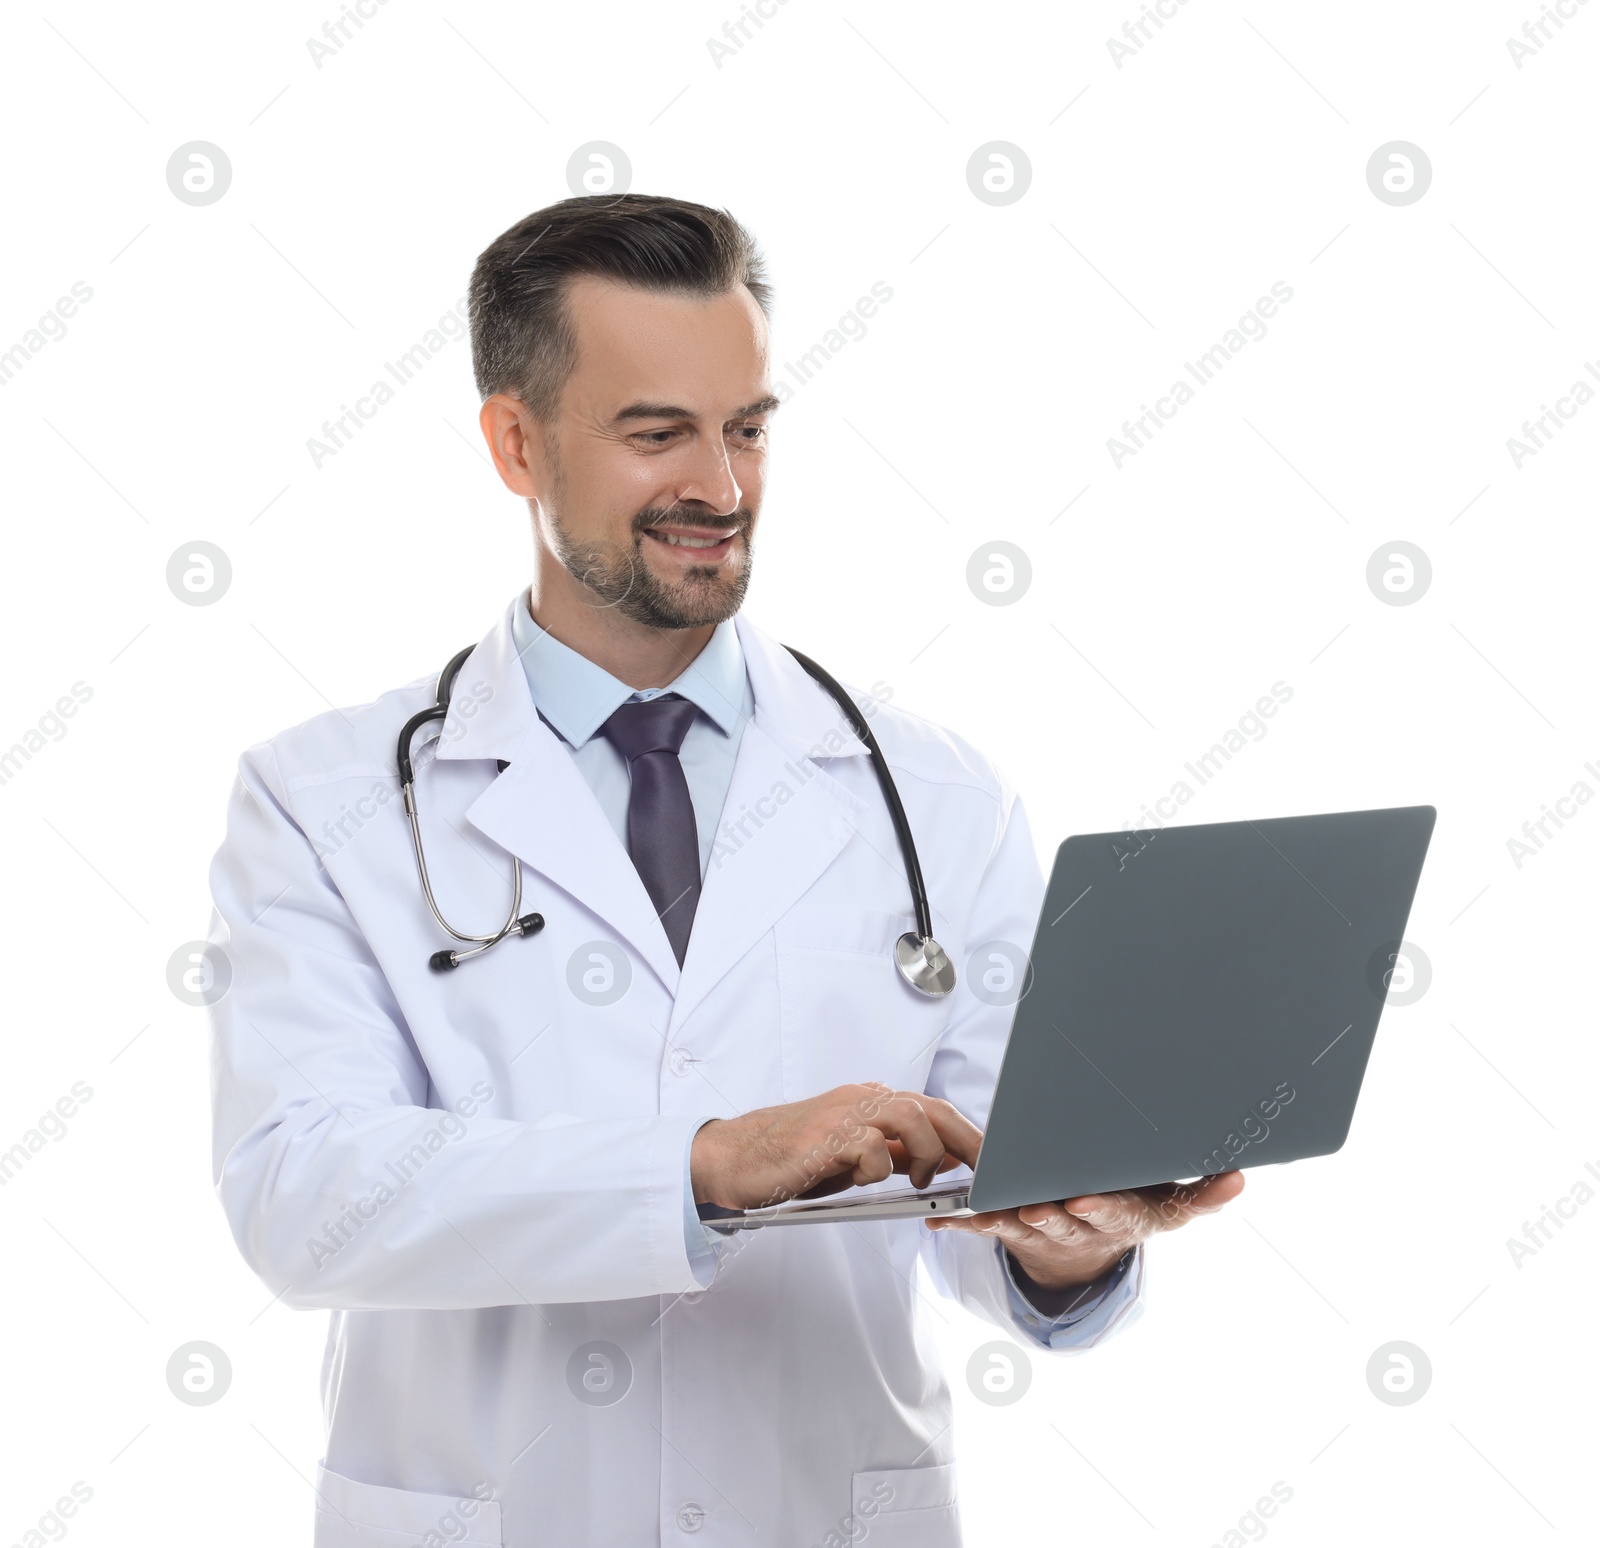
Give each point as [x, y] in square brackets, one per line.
[699, 1243]
[1080, 1314]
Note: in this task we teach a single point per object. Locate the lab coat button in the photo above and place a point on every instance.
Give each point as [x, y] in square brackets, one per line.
[691, 1517]
[679, 1060]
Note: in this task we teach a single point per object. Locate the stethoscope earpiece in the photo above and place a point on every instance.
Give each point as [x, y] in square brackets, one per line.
[443, 961]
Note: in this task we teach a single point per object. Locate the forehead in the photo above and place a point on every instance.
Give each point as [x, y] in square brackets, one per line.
[644, 344]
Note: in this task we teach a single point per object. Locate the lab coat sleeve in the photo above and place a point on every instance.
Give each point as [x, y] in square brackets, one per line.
[342, 1188]
[699, 1243]
[971, 1268]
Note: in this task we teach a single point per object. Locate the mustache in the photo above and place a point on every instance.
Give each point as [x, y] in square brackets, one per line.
[680, 516]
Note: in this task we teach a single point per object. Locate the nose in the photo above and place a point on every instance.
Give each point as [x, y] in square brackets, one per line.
[710, 481]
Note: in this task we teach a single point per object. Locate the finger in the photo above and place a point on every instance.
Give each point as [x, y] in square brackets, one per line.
[1218, 1191]
[1001, 1223]
[1123, 1215]
[1136, 1213]
[902, 1118]
[852, 1153]
[868, 1157]
[902, 1158]
[1008, 1227]
[960, 1137]
[1053, 1221]
[1179, 1203]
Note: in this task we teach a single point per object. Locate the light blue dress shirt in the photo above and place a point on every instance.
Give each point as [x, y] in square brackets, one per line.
[576, 697]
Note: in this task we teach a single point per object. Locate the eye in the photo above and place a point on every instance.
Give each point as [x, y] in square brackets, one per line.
[748, 435]
[655, 437]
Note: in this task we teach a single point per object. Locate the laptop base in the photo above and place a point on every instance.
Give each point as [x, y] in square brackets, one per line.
[895, 1204]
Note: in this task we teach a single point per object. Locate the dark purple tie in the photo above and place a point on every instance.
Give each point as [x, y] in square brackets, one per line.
[662, 838]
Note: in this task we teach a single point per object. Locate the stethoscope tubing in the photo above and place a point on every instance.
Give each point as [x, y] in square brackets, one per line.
[921, 948]
[891, 794]
[515, 923]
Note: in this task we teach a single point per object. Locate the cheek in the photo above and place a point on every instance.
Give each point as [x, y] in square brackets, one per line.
[637, 482]
[604, 486]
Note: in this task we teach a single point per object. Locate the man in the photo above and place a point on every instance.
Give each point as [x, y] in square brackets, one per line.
[490, 1172]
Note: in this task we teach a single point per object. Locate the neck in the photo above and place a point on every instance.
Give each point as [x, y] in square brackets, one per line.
[632, 652]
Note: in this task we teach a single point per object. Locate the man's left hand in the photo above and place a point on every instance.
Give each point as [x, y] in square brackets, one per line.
[1071, 1243]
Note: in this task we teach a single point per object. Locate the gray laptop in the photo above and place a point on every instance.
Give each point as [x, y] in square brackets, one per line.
[1198, 999]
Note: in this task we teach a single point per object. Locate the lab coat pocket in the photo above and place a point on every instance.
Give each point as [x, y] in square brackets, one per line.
[907, 1507]
[363, 1515]
[846, 1013]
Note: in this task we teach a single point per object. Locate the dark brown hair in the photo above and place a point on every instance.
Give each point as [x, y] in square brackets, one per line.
[522, 338]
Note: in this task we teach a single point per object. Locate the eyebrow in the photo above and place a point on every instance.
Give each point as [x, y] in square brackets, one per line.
[634, 411]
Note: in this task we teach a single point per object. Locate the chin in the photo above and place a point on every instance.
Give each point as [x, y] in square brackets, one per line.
[695, 607]
[701, 595]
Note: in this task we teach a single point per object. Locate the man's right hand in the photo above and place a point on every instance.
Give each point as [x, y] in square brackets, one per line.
[843, 1138]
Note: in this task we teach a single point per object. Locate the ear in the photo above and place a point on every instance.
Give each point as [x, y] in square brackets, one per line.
[516, 443]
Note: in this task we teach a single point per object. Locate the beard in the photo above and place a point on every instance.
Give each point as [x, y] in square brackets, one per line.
[619, 576]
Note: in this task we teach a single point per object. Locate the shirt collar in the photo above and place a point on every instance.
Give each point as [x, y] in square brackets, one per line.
[576, 697]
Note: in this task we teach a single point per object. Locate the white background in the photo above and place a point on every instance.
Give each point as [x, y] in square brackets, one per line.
[1167, 195]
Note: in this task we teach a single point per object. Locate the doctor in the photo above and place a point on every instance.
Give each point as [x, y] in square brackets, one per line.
[490, 1173]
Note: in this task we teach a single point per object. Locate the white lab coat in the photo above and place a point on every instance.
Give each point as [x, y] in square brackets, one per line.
[481, 1172]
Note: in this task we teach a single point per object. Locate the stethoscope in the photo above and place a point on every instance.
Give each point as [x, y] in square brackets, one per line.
[922, 961]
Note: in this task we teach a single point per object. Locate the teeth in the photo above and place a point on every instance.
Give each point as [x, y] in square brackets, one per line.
[688, 542]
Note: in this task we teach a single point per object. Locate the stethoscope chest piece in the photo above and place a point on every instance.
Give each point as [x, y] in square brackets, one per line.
[924, 964]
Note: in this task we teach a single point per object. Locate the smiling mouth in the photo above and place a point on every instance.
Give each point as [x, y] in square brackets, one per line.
[713, 545]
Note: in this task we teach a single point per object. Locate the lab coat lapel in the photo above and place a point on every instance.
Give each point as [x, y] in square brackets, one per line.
[784, 822]
[540, 808]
